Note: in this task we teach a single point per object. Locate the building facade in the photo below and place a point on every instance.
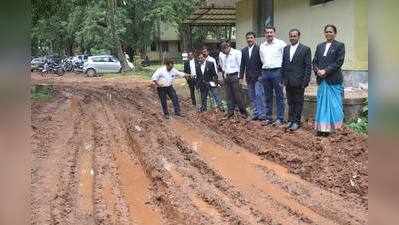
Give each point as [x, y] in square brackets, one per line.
[310, 16]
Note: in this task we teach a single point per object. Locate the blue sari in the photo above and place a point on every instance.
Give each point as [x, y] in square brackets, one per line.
[329, 111]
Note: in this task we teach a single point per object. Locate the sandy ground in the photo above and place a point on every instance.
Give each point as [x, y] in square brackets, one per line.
[103, 154]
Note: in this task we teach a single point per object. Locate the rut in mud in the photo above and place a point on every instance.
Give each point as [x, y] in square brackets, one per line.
[103, 154]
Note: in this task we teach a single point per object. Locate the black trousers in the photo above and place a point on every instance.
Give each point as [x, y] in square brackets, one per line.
[295, 98]
[204, 90]
[233, 93]
[163, 92]
[191, 85]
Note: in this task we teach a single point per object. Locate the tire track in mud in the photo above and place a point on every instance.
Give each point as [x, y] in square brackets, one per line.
[178, 179]
[146, 170]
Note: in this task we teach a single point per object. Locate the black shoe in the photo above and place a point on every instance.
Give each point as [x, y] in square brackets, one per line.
[229, 115]
[255, 118]
[294, 127]
[244, 115]
[289, 125]
[267, 122]
[278, 123]
[179, 115]
[166, 116]
[221, 109]
[322, 134]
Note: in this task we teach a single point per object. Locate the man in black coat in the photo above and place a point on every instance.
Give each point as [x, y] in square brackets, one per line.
[251, 69]
[296, 69]
[190, 80]
[206, 78]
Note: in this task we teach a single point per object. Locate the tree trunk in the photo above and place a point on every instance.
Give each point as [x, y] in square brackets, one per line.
[185, 34]
[111, 8]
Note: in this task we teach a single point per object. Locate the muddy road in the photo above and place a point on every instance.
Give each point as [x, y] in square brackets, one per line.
[103, 154]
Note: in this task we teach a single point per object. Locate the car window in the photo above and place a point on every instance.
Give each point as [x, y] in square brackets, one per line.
[99, 59]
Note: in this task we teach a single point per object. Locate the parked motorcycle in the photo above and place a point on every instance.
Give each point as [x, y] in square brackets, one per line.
[52, 68]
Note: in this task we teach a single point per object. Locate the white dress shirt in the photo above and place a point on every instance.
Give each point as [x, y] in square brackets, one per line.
[164, 77]
[231, 62]
[213, 60]
[271, 54]
[192, 68]
[293, 50]
[203, 67]
[250, 51]
[328, 45]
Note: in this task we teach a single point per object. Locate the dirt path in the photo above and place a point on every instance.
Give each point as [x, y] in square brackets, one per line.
[103, 154]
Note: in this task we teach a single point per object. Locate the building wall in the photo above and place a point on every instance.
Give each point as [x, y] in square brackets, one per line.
[350, 17]
[246, 20]
[173, 51]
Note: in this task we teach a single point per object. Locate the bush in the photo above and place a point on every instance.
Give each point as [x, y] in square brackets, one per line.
[360, 125]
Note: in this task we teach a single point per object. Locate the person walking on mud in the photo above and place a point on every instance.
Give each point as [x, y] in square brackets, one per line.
[189, 68]
[230, 61]
[206, 75]
[163, 79]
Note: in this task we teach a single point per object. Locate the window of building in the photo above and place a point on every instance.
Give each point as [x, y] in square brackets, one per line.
[153, 46]
[318, 2]
[165, 46]
[265, 15]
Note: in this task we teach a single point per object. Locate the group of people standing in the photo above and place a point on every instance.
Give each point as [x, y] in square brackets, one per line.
[267, 69]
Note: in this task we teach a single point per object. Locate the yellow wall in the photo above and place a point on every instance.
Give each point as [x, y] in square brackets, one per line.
[246, 20]
[350, 17]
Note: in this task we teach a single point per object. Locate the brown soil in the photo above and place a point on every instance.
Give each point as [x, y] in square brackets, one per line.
[103, 154]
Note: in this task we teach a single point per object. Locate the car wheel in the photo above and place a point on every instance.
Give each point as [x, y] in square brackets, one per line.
[91, 73]
[60, 72]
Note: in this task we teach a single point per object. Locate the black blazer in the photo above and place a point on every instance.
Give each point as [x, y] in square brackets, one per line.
[332, 63]
[187, 67]
[252, 67]
[297, 73]
[191, 81]
[209, 74]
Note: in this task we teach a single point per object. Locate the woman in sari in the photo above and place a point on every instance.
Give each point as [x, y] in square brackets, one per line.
[327, 63]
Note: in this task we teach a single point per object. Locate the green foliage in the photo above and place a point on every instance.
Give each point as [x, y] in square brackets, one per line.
[61, 26]
[360, 125]
[41, 93]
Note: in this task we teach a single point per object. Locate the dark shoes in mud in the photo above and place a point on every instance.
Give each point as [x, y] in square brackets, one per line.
[322, 134]
[179, 115]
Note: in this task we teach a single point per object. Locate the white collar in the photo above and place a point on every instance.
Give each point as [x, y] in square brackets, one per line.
[273, 41]
[296, 45]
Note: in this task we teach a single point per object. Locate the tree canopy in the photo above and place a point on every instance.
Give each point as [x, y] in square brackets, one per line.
[64, 26]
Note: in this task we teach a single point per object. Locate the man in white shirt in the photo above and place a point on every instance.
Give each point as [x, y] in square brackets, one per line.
[213, 91]
[163, 78]
[271, 54]
[230, 61]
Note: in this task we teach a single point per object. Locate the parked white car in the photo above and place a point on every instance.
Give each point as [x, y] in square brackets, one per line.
[95, 65]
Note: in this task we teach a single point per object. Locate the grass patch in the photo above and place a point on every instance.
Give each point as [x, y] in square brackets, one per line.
[41, 92]
[361, 124]
[142, 72]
